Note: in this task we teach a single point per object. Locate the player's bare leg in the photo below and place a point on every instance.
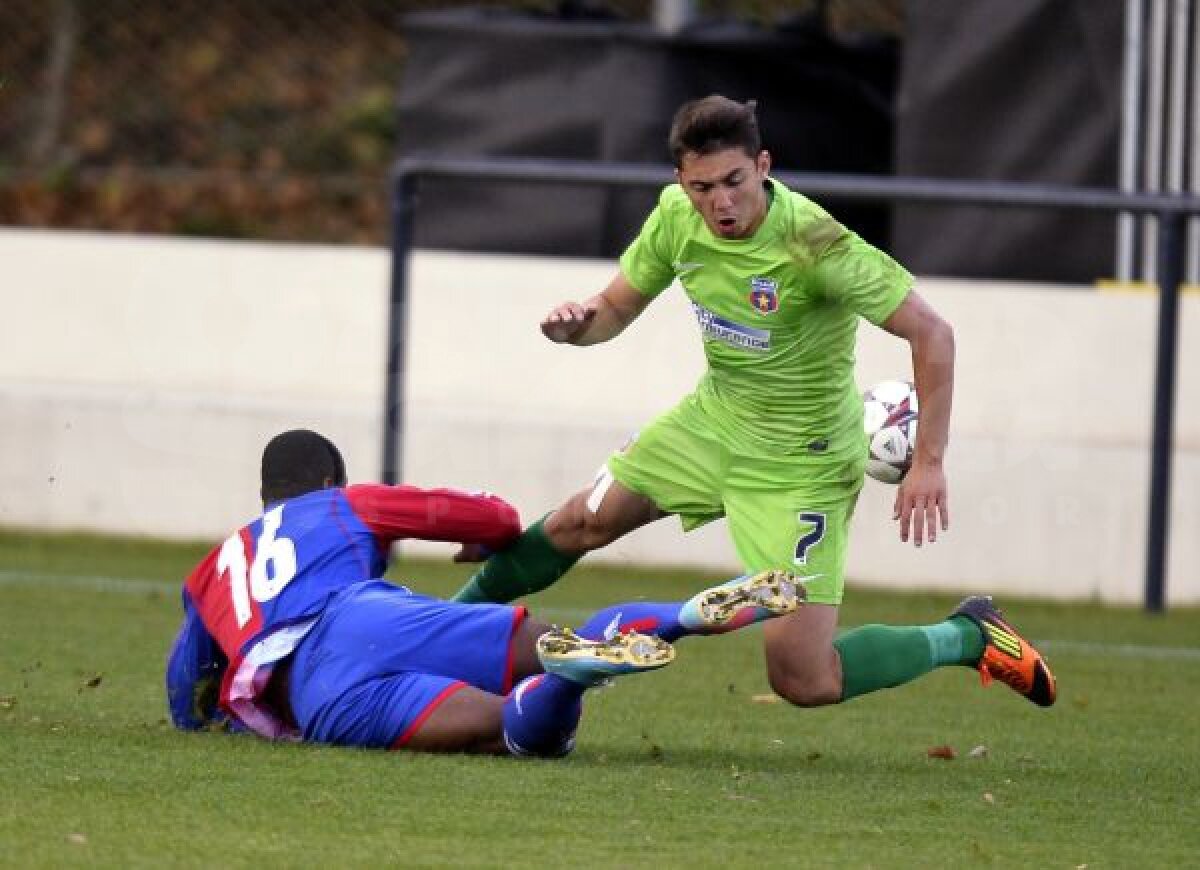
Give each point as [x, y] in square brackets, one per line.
[803, 666]
[524, 648]
[549, 547]
[597, 516]
[470, 720]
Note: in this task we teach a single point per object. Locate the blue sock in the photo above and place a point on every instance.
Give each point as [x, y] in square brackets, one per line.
[541, 715]
[659, 618]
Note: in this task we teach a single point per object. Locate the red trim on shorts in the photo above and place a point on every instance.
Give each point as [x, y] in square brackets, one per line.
[426, 713]
[519, 615]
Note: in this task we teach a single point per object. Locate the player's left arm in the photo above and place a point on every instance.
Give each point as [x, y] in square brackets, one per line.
[922, 503]
[194, 673]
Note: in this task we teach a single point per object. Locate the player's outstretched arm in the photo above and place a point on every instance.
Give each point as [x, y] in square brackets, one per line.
[600, 318]
[396, 512]
[922, 502]
[194, 673]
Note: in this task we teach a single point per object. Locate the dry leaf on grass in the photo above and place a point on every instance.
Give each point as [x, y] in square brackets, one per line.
[946, 753]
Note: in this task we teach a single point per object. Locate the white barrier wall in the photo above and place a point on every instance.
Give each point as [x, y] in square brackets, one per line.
[139, 378]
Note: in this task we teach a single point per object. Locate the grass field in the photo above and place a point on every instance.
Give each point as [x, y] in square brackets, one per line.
[690, 766]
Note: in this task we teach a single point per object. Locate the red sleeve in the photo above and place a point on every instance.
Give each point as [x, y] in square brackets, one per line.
[395, 512]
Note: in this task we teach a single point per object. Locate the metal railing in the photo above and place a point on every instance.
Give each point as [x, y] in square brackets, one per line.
[1172, 212]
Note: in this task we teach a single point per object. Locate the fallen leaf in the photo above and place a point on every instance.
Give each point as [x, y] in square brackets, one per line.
[946, 753]
[77, 839]
[978, 752]
[769, 698]
[988, 798]
[7, 702]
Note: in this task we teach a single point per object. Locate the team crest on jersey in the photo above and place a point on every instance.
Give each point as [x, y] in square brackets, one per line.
[764, 295]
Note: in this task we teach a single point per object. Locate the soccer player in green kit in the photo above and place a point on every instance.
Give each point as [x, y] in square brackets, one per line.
[772, 437]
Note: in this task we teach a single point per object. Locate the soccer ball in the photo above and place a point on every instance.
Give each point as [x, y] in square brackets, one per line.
[890, 421]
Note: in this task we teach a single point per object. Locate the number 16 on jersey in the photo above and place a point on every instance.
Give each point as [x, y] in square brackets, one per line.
[273, 568]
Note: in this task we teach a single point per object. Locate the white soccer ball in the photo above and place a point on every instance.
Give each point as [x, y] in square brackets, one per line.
[890, 421]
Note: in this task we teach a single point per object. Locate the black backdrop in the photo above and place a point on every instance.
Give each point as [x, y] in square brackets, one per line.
[1024, 90]
[496, 83]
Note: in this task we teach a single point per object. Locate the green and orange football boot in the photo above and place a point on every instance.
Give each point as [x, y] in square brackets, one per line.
[1007, 656]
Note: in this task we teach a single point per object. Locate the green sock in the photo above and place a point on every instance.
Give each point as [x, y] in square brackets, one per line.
[530, 565]
[883, 656]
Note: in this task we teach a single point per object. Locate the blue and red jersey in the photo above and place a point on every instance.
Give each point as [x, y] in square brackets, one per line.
[252, 599]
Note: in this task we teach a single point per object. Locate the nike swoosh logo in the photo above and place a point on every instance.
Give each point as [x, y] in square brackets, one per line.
[684, 268]
[525, 686]
[610, 630]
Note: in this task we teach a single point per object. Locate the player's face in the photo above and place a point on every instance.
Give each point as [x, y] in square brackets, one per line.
[726, 187]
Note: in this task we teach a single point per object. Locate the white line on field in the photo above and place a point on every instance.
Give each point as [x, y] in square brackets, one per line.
[82, 581]
[1126, 650]
[571, 615]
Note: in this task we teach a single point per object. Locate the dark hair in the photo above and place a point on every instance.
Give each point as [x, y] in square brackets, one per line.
[299, 461]
[712, 124]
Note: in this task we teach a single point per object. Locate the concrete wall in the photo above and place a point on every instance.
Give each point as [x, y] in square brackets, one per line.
[139, 378]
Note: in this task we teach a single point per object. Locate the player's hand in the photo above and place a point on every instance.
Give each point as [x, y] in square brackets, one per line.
[472, 553]
[922, 503]
[566, 321]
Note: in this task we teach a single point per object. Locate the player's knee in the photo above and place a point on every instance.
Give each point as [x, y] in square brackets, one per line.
[575, 528]
[597, 532]
[804, 687]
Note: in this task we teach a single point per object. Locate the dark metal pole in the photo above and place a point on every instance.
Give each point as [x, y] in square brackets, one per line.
[1170, 273]
[403, 212]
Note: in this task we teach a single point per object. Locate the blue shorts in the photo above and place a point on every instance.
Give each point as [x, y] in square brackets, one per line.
[381, 659]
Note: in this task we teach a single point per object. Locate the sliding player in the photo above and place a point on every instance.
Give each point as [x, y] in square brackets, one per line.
[289, 633]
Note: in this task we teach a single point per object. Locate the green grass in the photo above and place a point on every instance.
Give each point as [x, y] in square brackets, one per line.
[684, 767]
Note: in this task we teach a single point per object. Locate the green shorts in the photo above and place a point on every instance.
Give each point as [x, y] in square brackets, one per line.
[785, 512]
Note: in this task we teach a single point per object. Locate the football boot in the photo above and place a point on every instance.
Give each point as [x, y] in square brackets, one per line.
[594, 662]
[1007, 656]
[751, 598]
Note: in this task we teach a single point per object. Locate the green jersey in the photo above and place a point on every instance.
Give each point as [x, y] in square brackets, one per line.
[778, 313]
